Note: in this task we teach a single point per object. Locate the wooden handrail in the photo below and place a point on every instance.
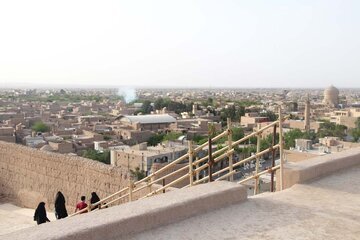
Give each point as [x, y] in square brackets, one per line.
[224, 133]
[260, 173]
[217, 156]
[163, 177]
[169, 184]
[163, 169]
[235, 164]
[100, 202]
[114, 200]
[79, 212]
[214, 139]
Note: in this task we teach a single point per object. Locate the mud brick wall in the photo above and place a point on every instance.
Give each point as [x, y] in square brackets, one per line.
[28, 176]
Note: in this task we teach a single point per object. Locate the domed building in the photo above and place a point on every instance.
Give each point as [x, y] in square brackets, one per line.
[331, 96]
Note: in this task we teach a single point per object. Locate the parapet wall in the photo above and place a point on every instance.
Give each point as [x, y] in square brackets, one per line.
[120, 222]
[28, 176]
[311, 169]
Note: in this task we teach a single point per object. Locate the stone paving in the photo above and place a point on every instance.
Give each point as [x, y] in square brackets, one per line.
[13, 218]
[328, 208]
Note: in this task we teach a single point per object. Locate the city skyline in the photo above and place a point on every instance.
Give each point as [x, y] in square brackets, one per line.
[201, 44]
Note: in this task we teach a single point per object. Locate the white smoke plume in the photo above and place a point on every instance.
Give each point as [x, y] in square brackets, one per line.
[128, 93]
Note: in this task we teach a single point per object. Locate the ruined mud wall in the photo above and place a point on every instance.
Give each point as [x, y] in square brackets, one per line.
[28, 176]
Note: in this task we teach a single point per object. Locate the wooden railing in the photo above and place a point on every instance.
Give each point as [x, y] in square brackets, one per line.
[152, 183]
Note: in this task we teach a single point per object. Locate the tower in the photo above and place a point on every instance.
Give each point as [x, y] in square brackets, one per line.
[307, 114]
[194, 109]
[331, 96]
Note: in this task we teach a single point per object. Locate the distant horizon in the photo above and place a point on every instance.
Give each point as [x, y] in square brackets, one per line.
[112, 85]
[104, 86]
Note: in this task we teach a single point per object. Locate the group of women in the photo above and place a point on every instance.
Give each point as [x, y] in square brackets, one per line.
[60, 208]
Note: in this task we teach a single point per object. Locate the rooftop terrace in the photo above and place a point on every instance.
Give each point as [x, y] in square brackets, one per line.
[328, 208]
[314, 208]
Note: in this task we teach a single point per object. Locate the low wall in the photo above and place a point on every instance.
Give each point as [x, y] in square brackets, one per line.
[28, 176]
[316, 167]
[10, 139]
[121, 221]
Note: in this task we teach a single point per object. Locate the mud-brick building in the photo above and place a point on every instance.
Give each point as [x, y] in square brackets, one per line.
[151, 122]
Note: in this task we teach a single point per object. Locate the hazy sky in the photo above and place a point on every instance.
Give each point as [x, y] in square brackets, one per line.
[181, 43]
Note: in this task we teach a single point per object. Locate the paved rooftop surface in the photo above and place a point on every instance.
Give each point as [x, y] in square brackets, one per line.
[13, 218]
[328, 208]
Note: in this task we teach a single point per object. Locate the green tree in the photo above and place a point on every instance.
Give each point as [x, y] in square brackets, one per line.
[137, 173]
[156, 139]
[199, 139]
[267, 141]
[237, 133]
[253, 140]
[210, 102]
[171, 136]
[170, 105]
[246, 150]
[159, 103]
[107, 137]
[355, 133]
[146, 107]
[40, 127]
[329, 129]
[290, 136]
[212, 130]
[270, 115]
[233, 112]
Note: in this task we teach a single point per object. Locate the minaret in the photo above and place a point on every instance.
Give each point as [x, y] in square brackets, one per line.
[307, 114]
[194, 109]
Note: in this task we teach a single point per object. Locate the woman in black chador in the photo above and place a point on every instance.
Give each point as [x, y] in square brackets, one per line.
[94, 199]
[60, 209]
[40, 214]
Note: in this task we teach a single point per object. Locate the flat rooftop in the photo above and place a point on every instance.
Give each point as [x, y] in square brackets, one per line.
[318, 208]
[328, 208]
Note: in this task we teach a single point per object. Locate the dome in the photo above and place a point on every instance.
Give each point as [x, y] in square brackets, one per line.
[290, 94]
[331, 90]
[331, 96]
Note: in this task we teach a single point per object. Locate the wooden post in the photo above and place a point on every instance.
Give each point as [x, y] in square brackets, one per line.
[281, 151]
[89, 207]
[210, 161]
[149, 184]
[142, 162]
[130, 182]
[191, 170]
[273, 159]
[197, 172]
[130, 190]
[257, 182]
[230, 156]
[163, 183]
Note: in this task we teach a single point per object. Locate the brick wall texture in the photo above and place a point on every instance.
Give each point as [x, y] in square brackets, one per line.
[29, 176]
